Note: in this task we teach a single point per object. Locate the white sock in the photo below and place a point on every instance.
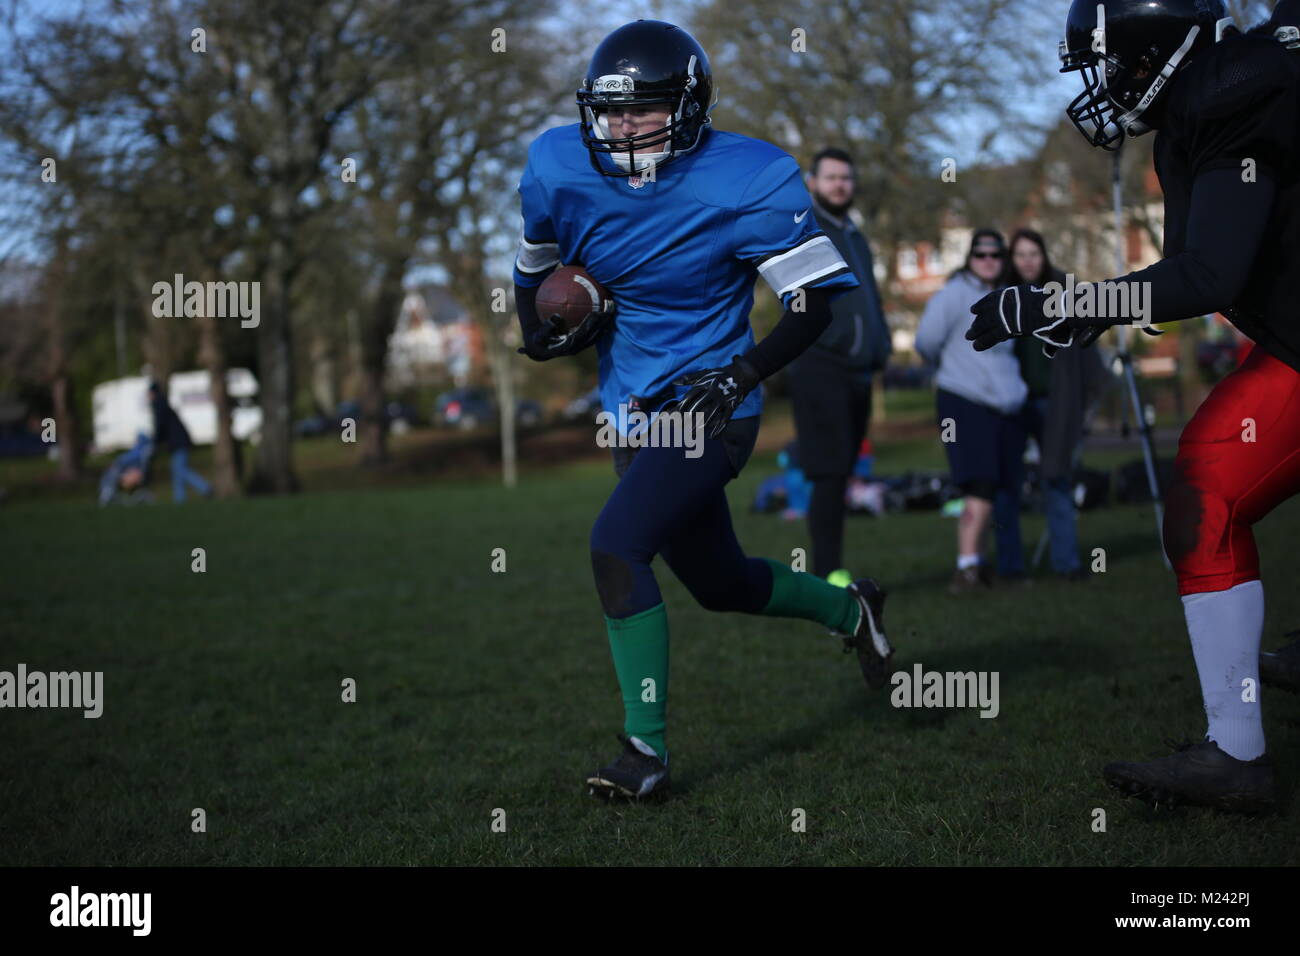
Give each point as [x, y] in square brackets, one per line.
[1225, 627]
[965, 561]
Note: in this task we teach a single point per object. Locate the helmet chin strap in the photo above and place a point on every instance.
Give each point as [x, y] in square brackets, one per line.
[644, 160]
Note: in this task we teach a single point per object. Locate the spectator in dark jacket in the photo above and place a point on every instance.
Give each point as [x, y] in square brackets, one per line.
[169, 430]
[830, 383]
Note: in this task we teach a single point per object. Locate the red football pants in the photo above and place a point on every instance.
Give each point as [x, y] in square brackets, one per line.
[1238, 459]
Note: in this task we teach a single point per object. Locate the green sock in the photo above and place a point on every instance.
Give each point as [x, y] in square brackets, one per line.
[799, 594]
[640, 647]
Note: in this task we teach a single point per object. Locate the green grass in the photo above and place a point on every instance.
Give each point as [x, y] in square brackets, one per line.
[479, 691]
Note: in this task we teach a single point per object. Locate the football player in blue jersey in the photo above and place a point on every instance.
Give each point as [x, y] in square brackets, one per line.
[678, 220]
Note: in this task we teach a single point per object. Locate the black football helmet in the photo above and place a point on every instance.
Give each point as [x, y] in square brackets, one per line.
[1127, 50]
[645, 63]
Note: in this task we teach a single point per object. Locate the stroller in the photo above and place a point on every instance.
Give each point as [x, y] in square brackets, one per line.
[126, 480]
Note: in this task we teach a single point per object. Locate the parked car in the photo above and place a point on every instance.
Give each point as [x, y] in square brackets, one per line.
[1216, 358]
[312, 426]
[528, 413]
[583, 408]
[398, 415]
[473, 407]
[17, 442]
[464, 408]
[403, 414]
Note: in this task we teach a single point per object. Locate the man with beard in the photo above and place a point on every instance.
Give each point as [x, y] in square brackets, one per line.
[830, 383]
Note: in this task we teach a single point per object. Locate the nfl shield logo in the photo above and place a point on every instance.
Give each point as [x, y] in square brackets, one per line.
[636, 182]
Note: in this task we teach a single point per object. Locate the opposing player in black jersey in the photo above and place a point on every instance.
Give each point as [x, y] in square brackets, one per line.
[1225, 107]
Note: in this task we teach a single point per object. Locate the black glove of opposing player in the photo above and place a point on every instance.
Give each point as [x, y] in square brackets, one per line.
[716, 393]
[550, 340]
[1019, 310]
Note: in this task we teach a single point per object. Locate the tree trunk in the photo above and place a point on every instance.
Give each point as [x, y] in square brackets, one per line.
[471, 289]
[374, 358]
[67, 434]
[226, 478]
[503, 374]
[65, 414]
[274, 470]
[324, 374]
[158, 345]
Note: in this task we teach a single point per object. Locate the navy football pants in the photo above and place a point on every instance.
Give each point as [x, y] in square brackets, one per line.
[668, 504]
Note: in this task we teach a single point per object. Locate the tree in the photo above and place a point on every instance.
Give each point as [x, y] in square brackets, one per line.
[420, 155]
[902, 84]
[290, 73]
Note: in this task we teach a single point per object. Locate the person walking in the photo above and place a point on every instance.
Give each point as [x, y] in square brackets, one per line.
[169, 430]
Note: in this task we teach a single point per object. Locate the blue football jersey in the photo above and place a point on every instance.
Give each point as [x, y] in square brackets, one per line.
[679, 253]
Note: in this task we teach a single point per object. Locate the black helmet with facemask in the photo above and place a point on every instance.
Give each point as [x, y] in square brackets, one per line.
[645, 63]
[1126, 51]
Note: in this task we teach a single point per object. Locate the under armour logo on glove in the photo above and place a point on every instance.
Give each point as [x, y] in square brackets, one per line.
[715, 394]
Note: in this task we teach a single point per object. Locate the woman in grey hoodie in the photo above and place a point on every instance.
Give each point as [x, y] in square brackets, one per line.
[980, 401]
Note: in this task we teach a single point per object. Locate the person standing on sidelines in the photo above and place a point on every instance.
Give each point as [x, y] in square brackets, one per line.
[980, 402]
[830, 383]
[1060, 391]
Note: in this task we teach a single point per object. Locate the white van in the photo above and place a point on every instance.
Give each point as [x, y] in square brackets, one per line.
[121, 408]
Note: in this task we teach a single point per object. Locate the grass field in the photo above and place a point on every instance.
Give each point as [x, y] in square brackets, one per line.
[480, 691]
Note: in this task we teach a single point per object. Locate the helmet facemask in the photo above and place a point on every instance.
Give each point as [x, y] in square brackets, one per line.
[636, 154]
[631, 153]
[1093, 112]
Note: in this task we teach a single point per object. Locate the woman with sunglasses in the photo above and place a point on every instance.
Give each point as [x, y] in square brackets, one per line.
[980, 399]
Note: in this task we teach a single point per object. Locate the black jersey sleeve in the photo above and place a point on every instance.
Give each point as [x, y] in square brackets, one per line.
[526, 309]
[794, 332]
[1226, 225]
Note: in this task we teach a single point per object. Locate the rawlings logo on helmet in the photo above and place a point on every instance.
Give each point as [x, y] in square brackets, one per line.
[613, 83]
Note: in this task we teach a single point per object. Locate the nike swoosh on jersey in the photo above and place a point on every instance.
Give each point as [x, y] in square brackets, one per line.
[799, 217]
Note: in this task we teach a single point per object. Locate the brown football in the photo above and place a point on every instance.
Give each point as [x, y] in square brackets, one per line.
[570, 293]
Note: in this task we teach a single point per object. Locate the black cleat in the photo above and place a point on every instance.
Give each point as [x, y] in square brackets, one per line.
[633, 774]
[874, 652]
[1198, 775]
[1281, 668]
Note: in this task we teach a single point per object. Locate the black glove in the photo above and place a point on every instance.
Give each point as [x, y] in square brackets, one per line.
[1019, 310]
[716, 393]
[550, 340]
